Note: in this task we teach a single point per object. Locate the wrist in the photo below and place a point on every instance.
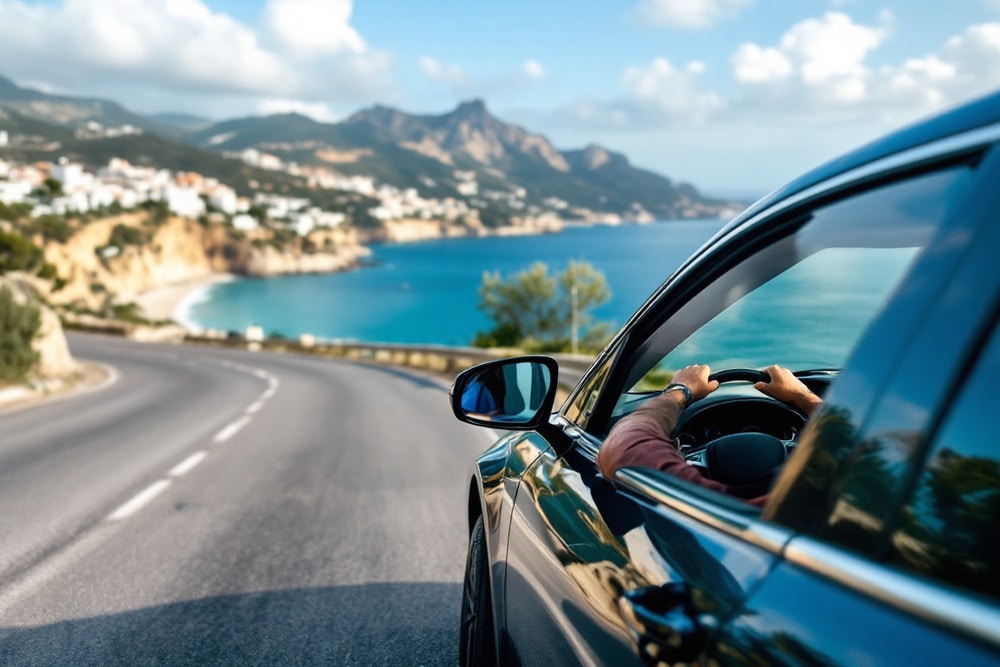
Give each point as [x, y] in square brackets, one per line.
[682, 390]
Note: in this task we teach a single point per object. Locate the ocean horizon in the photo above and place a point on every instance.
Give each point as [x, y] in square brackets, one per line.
[426, 292]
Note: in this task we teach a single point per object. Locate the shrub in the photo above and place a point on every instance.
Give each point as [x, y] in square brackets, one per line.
[123, 235]
[18, 253]
[19, 325]
[51, 227]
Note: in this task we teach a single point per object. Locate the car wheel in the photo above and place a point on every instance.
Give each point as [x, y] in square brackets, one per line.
[476, 642]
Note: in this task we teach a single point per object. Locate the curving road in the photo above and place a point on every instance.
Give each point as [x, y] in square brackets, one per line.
[221, 507]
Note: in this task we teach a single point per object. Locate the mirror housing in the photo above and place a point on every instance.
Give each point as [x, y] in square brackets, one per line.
[513, 394]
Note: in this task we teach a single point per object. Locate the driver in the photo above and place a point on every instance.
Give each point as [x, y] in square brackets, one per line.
[642, 438]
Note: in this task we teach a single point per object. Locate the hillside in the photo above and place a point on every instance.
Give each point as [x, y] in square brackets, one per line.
[430, 152]
[500, 169]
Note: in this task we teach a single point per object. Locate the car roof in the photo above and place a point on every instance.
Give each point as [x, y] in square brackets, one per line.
[971, 116]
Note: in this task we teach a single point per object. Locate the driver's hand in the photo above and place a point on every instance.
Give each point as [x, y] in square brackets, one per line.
[695, 378]
[787, 388]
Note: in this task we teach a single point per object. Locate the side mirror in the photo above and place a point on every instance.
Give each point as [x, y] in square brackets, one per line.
[514, 394]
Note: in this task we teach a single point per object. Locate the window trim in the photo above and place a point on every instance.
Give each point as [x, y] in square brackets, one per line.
[932, 602]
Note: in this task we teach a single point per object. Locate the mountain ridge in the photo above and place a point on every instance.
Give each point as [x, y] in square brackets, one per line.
[466, 152]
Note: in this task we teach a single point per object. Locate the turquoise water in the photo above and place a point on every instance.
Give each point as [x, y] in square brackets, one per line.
[427, 292]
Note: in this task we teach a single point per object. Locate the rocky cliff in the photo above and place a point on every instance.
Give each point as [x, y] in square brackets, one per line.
[179, 250]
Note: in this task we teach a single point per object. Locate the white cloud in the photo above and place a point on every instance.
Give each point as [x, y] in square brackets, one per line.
[435, 70]
[315, 26]
[830, 48]
[687, 13]
[823, 65]
[662, 93]
[752, 64]
[534, 70]
[180, 47]
[170, 41]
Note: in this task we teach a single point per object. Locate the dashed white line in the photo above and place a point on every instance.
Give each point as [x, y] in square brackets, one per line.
[187, 464]
[231, 429]
[139, 500]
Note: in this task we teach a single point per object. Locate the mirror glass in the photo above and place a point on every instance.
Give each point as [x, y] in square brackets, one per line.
[510, 393]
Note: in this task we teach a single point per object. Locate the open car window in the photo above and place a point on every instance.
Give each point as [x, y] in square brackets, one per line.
[805, 300]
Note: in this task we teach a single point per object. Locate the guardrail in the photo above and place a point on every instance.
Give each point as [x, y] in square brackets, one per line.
[438, 359]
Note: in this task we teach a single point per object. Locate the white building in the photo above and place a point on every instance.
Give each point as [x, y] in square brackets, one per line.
[244, 222]
[70, 174]
[13, 192]
[183, 201]
[223, 198]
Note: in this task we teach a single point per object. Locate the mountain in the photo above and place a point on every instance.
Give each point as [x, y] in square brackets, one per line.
[437, 153]
[74, 112]
[499, 168]
[182, 121]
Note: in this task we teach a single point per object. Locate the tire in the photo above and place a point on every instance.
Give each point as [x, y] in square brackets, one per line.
[476, 644]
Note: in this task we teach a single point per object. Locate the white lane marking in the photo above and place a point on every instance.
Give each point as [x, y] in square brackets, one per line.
[187, 464]
[255, 407]
[231, 429]
[139, 500]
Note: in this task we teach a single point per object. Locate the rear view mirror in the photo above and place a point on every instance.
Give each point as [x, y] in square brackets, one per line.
[513, 394]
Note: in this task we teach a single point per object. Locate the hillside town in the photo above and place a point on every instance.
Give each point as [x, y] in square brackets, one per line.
[125, 186]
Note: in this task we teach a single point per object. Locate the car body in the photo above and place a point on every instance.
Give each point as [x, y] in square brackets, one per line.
[876, 279]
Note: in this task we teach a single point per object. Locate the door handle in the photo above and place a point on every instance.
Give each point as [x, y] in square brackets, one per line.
[663, 623]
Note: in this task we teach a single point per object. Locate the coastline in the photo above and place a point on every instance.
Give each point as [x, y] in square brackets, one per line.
[173, 302]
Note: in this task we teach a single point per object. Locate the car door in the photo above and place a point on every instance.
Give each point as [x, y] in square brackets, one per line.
[650, 567]
[896, 508]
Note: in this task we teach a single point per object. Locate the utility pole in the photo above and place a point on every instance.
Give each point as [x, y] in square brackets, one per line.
[574, 323]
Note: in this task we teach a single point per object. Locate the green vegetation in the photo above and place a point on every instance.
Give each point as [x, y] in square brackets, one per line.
[542, 313]
[123, 236]
[158, 211]
[14, 212]
[18, 253]
[51, 227]
[19, 325]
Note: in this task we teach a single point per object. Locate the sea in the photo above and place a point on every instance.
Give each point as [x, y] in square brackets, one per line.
[427, 292]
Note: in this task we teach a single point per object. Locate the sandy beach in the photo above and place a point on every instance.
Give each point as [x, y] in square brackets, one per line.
[163, 303]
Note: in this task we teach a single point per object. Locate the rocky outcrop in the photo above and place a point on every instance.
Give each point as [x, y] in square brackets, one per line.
[54, 358]
[182, 250]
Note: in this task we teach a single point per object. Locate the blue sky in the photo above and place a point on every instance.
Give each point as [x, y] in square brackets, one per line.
[734, 96]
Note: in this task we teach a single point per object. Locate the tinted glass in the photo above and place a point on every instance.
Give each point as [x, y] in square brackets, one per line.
[804, 301]
[950, 528]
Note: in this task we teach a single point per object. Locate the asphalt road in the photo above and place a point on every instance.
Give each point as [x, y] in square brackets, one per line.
[217, 507]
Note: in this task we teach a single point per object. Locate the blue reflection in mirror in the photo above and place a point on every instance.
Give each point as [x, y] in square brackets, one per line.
[512, 393]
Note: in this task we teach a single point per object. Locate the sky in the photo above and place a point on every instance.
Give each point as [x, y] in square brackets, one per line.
[734, 96]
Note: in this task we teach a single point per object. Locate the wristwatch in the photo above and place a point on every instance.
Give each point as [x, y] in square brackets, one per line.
[681, 388]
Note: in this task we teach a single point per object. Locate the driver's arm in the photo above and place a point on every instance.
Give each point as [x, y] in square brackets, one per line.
[642, 438]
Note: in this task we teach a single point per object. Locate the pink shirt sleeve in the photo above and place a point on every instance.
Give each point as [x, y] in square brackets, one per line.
[641, 440]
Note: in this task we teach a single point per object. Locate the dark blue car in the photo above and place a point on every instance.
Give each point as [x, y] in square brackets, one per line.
[876, 279]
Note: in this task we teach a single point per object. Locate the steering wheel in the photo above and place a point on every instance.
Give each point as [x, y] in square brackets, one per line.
[739, 375]
[747, 462]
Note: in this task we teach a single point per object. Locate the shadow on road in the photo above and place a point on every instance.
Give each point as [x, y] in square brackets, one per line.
[373, 624]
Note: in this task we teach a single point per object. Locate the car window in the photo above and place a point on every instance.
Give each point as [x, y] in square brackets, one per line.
[580, 406]
[806, 299]
[948, 530]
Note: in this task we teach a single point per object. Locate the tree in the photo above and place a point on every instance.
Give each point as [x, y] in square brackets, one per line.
[18, 253]
[19, 324]
[539, 312]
